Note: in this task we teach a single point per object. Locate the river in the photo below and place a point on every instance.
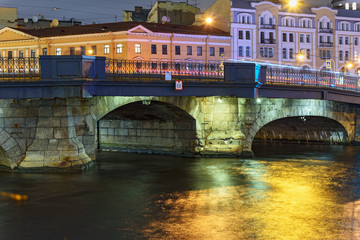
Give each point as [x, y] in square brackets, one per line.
[285, 192]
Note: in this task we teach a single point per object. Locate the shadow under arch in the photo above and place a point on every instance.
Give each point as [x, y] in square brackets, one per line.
[304, 129]
[148, 126]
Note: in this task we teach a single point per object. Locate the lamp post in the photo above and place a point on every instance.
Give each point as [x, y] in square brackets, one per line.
[348, 66]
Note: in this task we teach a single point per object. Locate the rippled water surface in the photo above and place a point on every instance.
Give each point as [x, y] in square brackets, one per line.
[285, 192]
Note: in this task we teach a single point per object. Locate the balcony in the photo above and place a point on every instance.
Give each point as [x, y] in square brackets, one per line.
[267, 26]
[268, 41]
[325, 30]
[326, 44]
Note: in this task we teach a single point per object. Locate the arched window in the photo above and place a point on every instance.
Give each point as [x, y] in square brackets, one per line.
[354, 6]
[266, 18]
[347, 6]
[244, 18]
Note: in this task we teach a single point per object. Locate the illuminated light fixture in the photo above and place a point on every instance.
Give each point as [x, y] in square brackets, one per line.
[208, 20]
[349, 65]
[146, 102]
[258, 100]
[293, 3]
[90, 52]
[301, 57]
[220, 100]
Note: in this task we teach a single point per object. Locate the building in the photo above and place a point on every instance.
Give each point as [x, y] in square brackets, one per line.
[164, 12]
[297, 36]
[8, 17]
[124, 40]
[346, 4]
[138, 15]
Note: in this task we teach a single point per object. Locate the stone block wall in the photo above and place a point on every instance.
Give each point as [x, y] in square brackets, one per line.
[170, 137]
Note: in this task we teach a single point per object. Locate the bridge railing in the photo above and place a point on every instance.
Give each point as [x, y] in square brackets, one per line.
[19, 68]
[156, 70]
[289, 76]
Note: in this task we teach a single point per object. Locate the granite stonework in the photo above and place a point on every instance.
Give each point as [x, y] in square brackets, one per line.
[62, 134]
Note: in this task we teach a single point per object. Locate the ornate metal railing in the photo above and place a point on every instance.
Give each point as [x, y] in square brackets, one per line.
[19, 68]
[301, 77]
[156, 70]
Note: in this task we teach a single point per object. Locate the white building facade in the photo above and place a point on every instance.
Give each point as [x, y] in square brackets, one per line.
[268, 32]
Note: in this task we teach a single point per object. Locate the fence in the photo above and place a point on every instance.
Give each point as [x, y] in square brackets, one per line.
[290, 76]
[156, 70]
[19, 68]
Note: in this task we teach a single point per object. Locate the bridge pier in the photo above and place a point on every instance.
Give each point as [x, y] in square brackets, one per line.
[55, 145]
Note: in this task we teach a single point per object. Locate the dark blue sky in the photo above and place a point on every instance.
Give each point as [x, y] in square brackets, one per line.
[89, 11]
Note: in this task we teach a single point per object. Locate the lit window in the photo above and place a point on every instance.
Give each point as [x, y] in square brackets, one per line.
[58, 51]
[137, 48]
[93, 50]
[354, 6]
[347, 6]
[106, 49]
[21, 53]
[118, 48]
[44, 51]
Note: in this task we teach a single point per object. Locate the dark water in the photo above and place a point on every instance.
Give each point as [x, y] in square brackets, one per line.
[286, 192]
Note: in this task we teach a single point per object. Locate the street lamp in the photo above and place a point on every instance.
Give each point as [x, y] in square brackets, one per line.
[348, 66]
[301, 57]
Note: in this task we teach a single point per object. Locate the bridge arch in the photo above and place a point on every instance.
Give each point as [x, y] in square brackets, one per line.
[11, 154]
[302, 109]
[147, 124]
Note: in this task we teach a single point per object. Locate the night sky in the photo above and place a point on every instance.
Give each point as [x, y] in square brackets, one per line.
[89, 11]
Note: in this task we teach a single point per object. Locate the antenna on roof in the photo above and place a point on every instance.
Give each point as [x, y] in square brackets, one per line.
[35, 19]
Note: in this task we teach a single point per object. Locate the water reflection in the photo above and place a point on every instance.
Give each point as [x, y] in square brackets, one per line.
[286, 192]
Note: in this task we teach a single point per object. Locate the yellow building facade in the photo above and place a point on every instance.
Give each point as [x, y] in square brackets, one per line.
[129, 41]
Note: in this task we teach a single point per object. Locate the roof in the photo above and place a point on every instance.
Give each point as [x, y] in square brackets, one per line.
[348, 13]
[245, 4]
[124, 26]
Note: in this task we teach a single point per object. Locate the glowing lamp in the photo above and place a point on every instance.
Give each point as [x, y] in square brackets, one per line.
[293, 3]
[208, 20]
[90, 52]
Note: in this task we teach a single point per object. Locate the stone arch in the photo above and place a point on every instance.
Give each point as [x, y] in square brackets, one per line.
[11, 154]
[181, 126]
[305, 110]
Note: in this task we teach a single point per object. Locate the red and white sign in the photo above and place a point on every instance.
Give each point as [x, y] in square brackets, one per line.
[178, 85]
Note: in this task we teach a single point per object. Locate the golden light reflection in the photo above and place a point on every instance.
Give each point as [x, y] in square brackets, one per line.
[274, 201]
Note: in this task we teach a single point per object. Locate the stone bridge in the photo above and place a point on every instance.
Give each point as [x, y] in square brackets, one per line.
[63, 134]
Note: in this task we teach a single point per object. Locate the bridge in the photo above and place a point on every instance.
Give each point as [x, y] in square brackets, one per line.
[56, 111]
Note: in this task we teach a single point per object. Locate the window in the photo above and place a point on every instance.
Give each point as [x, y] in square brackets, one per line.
[221, 51]
[247, 35]
[72, 51]
[164, 49]
[325, 54]
[262, 37]
[32, 53]
[356, 41]
[10, 54]
[346, 55]
[291, 37]
[356, 55]
[107, 49]
[21, 53]
[212, 51]
[82, 50]
[248, 52]
[271, 52]
[302, 38]
[340, 40]
[153, 48]
[177, 50]
[199, 51]
[58, 51]
[44, 51]
[347, 6]
[284, 37]
[119, 48]
[308, 38]
[189, 50]
[291, 53]
[241, 35]
[137, 48]
[321, 39]
[308, 54]
[354, 6]
[347, 40]
[284, 53]
[93, 49]
[241, 51]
